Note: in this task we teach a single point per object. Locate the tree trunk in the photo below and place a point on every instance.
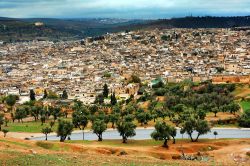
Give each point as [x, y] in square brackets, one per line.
[100, 137]
[173, 140]
[165, 145]
[62, 138]
[215, 114]
[190, 135]
[83, 134]
[46, 137]
[124, 139]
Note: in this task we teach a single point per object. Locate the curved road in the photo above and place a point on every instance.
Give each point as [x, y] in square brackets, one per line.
[142, 134]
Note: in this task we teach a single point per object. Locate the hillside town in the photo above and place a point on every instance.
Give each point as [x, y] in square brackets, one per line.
[83, 67]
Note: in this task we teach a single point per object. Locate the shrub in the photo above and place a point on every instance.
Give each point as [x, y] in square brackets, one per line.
[244, 120]
[44, 145]
[123, 153]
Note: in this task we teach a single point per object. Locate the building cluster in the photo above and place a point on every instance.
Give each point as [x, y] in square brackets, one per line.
[83, 67]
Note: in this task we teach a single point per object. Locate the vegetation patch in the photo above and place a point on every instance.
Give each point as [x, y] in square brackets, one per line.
[45, 145]
[39, 159]
[29, 127]
[245, 105]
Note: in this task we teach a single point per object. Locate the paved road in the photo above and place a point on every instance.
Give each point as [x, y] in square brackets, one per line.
[142, 134]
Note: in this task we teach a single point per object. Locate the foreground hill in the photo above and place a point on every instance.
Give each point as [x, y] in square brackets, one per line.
[147, 152]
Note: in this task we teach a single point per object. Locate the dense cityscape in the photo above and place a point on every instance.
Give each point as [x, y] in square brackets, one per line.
[125, 83]
[83, 67]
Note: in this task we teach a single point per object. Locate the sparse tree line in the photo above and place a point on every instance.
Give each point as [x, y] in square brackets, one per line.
[32, 108]
[185, 106]
[123, 119]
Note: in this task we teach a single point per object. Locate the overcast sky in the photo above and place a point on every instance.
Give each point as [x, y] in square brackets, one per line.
[146, 9]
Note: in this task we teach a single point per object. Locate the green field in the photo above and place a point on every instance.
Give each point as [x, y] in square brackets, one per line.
[245, 105]
[29, 127]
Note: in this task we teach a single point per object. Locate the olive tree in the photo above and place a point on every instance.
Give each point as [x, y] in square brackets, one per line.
[20, 114]
[46, 131]
[233, 108]
[64, 129]
[142, 116]
[192, 124]
[215, 134]
[162, 132]
[55, 112]
[80, 120]
[11, 101]
[5, 131]
[98, 127]
[34, 111]
[126, 128]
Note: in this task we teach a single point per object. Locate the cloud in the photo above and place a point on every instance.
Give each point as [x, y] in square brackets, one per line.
[122, 8]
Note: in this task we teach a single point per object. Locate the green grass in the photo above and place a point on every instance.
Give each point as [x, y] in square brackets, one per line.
[245, 105]
[52, 146]
[29, 127]
[45, 145]
[133, 143]
[118, 143]
[159, 104]
[227, 125]
[20, 158]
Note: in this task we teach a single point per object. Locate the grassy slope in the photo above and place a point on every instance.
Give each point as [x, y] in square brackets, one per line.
[18, 152]
[242, 91]
[245, 105]
[145, 152]
[30, 127]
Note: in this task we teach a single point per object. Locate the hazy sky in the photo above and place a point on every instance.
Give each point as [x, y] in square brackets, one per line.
[122, 8]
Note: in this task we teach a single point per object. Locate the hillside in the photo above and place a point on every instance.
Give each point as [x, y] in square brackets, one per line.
[72, 29]
[147, 152]
[15, 30]
[18, 30]
[201, 22]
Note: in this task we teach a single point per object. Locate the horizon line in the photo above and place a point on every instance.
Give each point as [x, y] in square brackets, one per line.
[64, 18]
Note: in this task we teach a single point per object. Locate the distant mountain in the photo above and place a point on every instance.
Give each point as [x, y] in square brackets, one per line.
[59, 29]
[12, 29]
[201, 22]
